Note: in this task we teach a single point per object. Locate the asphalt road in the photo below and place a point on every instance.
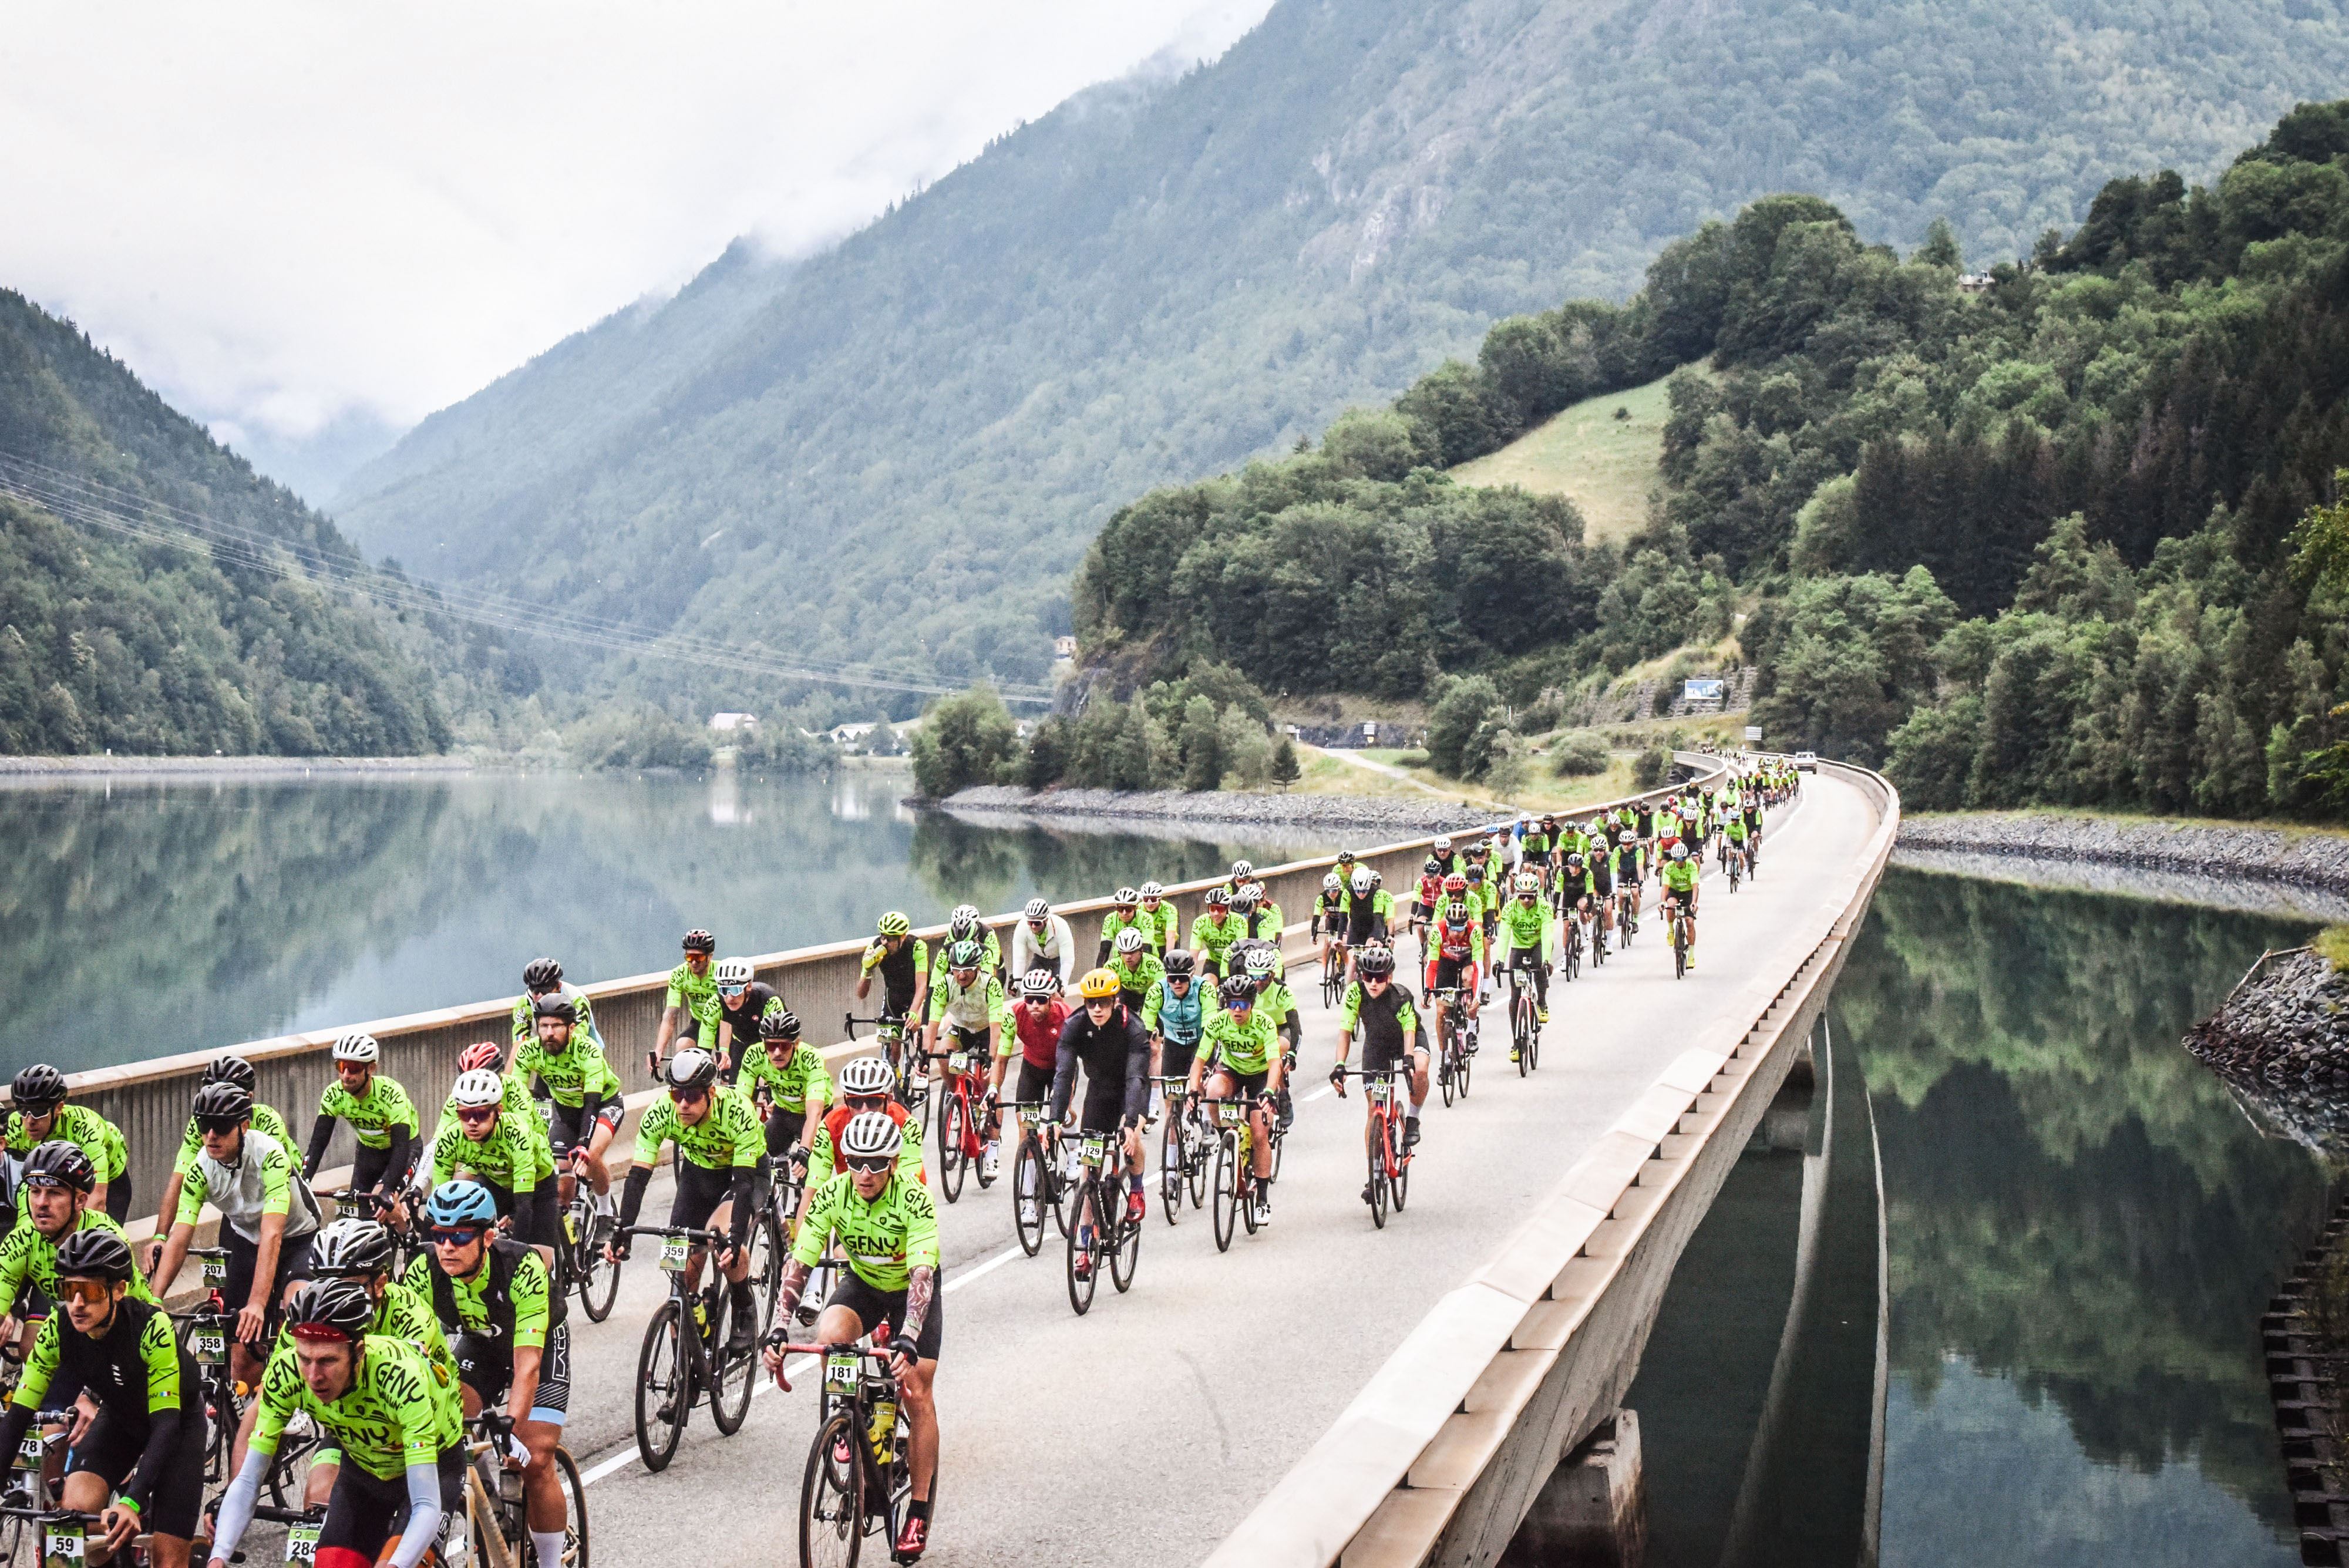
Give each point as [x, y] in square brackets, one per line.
[1142, 1432]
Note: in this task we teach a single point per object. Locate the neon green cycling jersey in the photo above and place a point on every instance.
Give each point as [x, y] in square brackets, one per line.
[527, 1292]
[525, 1016]
[515, 1100]
[1349, 1012]
[1211, 937]
[990, 957]
[81, 1126]
[790, 1085]
[1138, 973]
[373, 1115]
[698, 994]
[885, 1239]
[1679, 877]
[265, 1119]
[507, 1157]
[1527, 926]
[158, 1353]
[728, 1134]
[27, 1257]
[1735, 829]
[404, 1315]
[1274, 1004]
[1244, 1047]
[571, 1074]
[396, 1414]
[970, 1008]
[822, 1166]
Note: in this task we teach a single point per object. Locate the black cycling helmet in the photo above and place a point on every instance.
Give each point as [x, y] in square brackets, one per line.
[540, 974]
[556, 1006]
[97, 1253]
[37, 1087]
[330, 1309]
[1181, 964]
[229, 1068]
[1434, 867]
[222, 1103]
[692, 1070]
[697, 941]
[1376, 960]
[779, 1026]
[58, 1163]
[1239, 990]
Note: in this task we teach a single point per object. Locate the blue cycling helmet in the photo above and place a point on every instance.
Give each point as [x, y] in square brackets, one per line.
[462, 1203]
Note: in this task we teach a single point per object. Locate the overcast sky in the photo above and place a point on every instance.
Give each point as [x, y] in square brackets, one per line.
[278, 213]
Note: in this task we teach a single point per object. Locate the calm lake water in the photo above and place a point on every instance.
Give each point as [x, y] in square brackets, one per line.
[139, 919]
[2081, 1228]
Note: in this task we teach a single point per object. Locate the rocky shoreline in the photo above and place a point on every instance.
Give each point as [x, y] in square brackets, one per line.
[2301, 859]
[2283, 1034]
[239, 767]
[1234, 808]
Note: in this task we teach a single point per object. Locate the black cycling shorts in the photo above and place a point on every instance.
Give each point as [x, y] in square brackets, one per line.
[1035, 1083]
[699, 1191]
[486, 1367]
[1245, 1083]
[293, 1263]
[369, 1166]
[874, 1306]
[111, 1449]
[1104, 1104]
[1174, 1057]
[1451, 973]
[566, 1129]
[117, 1198]
[536, 1215]
[783, 1132]
[364, 1512]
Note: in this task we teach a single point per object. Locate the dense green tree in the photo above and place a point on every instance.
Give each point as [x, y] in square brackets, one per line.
[964, 740]
[1461, 718]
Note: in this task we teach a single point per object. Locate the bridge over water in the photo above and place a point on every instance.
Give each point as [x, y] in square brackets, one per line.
[1325, 1391]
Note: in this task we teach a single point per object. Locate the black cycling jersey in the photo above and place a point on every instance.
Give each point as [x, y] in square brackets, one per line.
[744, 1020]
[139, 1377]
[897, 971]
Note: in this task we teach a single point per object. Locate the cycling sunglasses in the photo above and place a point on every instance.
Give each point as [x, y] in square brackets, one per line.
[456, 1236]
[472, 1115]
[871, 1164]
[89, 1292]
[730, 992]
[217, 1125]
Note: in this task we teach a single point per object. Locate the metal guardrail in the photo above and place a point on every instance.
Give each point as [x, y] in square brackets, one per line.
[1441, 1455]
[149, 1100]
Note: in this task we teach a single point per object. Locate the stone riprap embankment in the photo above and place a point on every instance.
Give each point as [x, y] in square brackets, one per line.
[1401, 816]
[2316, 860]
[2283, 1036]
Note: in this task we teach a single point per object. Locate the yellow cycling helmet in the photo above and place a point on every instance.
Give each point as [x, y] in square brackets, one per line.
[894, 924]
[1098, 984]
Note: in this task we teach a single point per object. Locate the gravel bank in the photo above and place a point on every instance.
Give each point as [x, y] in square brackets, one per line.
[2283, 1038]
[1399, 814]
[2312, 860]
[2247, 895]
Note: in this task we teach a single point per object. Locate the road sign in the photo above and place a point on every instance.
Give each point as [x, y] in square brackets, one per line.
[1753, 731]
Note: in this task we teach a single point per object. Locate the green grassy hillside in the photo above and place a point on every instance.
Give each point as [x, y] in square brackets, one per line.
[1604, 454]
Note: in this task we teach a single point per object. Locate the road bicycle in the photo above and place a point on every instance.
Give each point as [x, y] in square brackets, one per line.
[684, 1354]
[889, 1035]
[1524, 1017]
[44, 1537]
[580, 1263]
[1036, 1183]
[1570, 945]
[1734, 864]
[1684, 930]
[1626, 919]
[407, 1238]
[1454, 1031]
[496, 1513]
[208, 1333]
[1111, 1240]
[859, 1481]
[1333, 973]
[1236, 1182]
[964, 1124]
[1389, 1164]
[26, 1496]
[1185, 1148]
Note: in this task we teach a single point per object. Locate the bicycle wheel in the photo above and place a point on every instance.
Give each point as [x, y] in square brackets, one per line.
[951, 1158]
[1378, 1184]
[664, 1388]
[1226, 1189]
[1170, 1167]
[1124, 1254]
[1533, 1043]
[574, 1511]
[1028, 1196]
[1195, 1158]
[767, 1260]
[982, 1128]
[1466, 1062]
[1080, 1248]
[1680, 956]
[1446, 1063]
[831, 1496]
[1521, 1028]
[1398, 1184]
[731, 1375]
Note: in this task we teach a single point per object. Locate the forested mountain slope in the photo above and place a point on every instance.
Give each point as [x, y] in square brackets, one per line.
[2077, 538]
[902, 445]
[108, 641]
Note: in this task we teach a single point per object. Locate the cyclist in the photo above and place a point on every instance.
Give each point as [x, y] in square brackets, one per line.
[1733, 840]
[1108, 1039]
[967, 1011]
[1389, 1024]
[1042, 941]
[38, 1112]
[1370, 910]
[1442, 851]
[965, 926]
[1037, 1020]
[1214, 932]
[1245, 1054]
[1455, 949]
[56, 1183]
[1264, 920]
[1628, 873]
[1174, 1014]
[1588, 882]
[691, 1005]
[541, 979]
[500, 1149]
[901, 959]
[363, 1251]
[1157, 912]
[506, 1327]
[115, 1346]
[227, 1068]
[885, 1220]
[1125, 915]
[1528, 926]
[743, 1001]
[1428, 894]
[718, 1143]
[382, 1118]
[1259, 961]
[1137, 969]
[378, 1401]
[1243, 874]
[585, 1095]
[867, 1084]
[1330, 917]
[267, 1221]
[1680, 880]
[1535, 848]
[788, 1087]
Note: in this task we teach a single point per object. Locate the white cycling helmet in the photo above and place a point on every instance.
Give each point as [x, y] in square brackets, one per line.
[733, 973]
[1365, 881]
[1260, 961]
[1527, 882]
[1680, 850]
[358, 1045]
[1037, 984]
[1130, 940]
[1442, 843]
[871, 1135]
[1150, 890]
[1333, 883]
[964, 921]
[867, 1075]
[1242, 870]
[478, 1088]
[1037, 909]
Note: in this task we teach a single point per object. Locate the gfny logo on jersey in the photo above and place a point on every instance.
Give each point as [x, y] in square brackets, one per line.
[875, 1232]
[368, 1419]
